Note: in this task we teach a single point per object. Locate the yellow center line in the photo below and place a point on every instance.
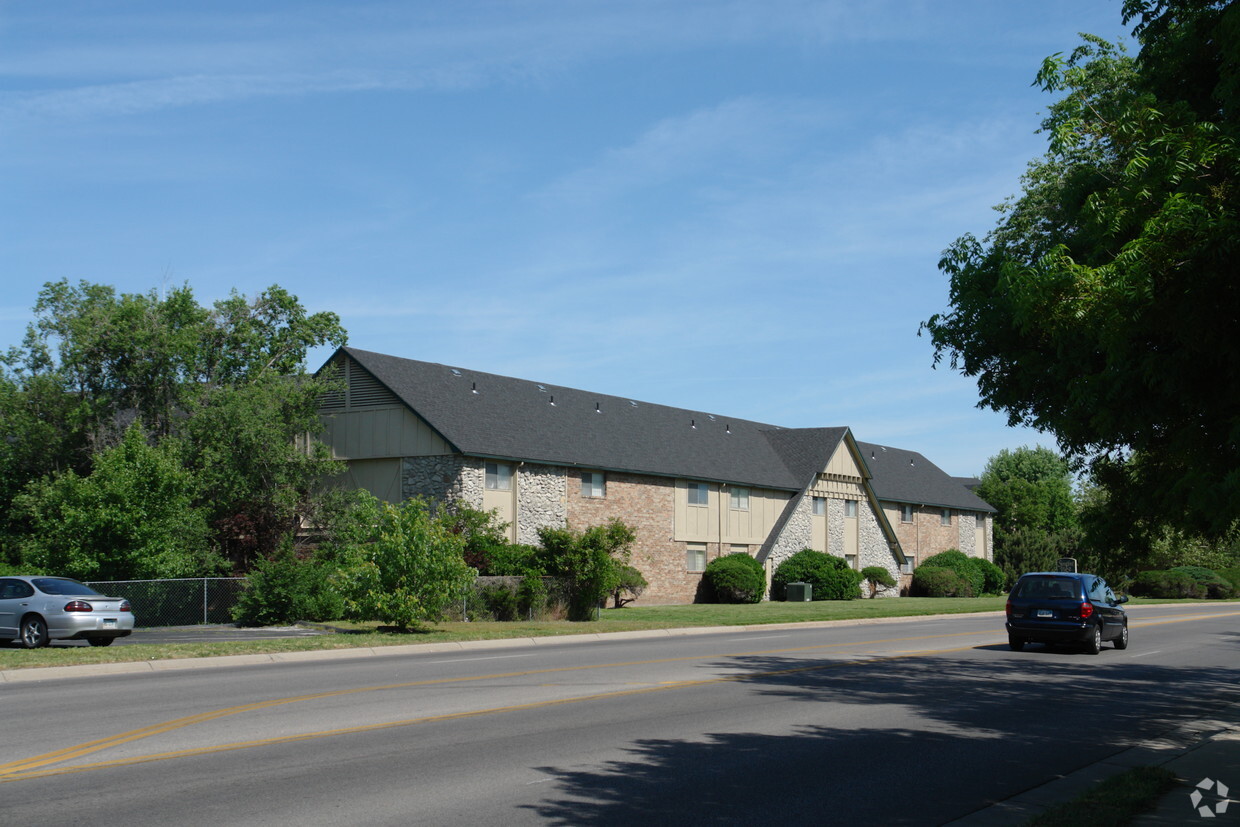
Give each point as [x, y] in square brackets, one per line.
[30, 767]
[33, 772]
[90, 747]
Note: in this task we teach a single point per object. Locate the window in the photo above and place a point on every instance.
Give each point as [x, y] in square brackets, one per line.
[695, 556]
[820, 506]
[738, 499]
[850, 508]
[945, 517]
[593, 484]
[907, 566]
[735, 549]
[499, 476]
[906, 513]
[699, 494]
[851, 560]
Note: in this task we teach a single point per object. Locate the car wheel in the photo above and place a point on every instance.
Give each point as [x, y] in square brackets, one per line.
[1016, 643]
[34, 632]
[1094, 644]
[100, 641]
[1121, 642]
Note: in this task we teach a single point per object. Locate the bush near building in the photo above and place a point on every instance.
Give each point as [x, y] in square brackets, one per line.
[735, 578]
[828, 575]
[940, 582]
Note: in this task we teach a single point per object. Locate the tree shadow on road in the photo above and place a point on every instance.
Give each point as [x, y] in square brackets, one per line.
[963, 732]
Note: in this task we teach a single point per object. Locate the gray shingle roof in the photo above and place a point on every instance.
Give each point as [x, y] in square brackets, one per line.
[487, 415]
[908, 477]
[483, 414]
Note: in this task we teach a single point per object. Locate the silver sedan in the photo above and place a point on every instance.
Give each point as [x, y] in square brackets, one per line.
[37, 610]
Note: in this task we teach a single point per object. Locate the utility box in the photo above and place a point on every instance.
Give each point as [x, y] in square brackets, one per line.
[799, 592]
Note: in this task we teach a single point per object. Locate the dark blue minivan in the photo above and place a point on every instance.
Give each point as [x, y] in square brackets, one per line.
[1065, 607]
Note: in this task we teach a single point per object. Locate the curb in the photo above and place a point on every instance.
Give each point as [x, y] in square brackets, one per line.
[1197, 750]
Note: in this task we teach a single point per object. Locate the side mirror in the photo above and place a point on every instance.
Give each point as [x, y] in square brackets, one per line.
[1123, 598]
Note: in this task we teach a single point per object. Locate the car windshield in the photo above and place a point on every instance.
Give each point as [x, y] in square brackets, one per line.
[54, 585]
[1047, 588]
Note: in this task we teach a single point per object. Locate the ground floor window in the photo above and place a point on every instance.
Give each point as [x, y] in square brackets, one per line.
[695, 556]
[499, 476]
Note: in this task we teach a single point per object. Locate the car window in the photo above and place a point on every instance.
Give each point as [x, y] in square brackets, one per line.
[1046, 588]
[1098, 590]
[13, 589]
[56, 586]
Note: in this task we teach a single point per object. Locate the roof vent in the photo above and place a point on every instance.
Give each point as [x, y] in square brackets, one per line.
[727, 429]
[631, 402]
[474, 389]
[596, 408]
[911, 463]
[872, 455]
[455, 372]
[884, 447]
[542, 388]
[693, 424]
[552, 402]
[712, 417]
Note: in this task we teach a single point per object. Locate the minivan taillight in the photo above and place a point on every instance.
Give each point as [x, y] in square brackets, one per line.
[1087, 610]
[1008, 608]
[79, 606]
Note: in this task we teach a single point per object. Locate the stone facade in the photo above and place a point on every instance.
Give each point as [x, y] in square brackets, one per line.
[797, 533]
[874, 551]
[541, 500]
[967, 541]
[442, 478]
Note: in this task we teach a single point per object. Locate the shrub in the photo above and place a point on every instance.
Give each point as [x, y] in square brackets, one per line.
[514, 560]
[411, 572]
[1232, 576]
[939, 582]
[532, 596]
[993, 578]
[589, 562]
[877, 576]
[830, 576]
[631, 582]
[958, 562]
[285, 589]
[499, 601]
[736, 578]
[1166, 585]
[1216, 587]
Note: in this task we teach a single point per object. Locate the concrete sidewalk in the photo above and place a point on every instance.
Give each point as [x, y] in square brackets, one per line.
[1204, 752]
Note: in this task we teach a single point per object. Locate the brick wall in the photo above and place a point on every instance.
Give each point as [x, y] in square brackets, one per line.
[647, 505]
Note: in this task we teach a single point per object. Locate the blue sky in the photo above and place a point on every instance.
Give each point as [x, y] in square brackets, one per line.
[733, 207]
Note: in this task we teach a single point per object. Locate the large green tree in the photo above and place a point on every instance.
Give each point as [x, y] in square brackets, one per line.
[1030, 488]
[227, 382]
[1104, 308]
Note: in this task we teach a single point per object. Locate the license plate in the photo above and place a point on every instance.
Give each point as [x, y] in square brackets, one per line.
[1045, 613]
[109, 623]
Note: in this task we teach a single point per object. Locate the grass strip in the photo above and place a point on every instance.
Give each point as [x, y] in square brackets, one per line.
[1111, 803]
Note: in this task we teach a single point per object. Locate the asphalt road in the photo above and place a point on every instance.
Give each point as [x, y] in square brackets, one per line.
[888, 723]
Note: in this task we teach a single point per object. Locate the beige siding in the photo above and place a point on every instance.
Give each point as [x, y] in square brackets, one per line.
[698, 523]
[852, 537]
[381, 432]
[719, 522]
[979, 538]
[380, 477]
[841, 478]
[818, 532]
[503, 503]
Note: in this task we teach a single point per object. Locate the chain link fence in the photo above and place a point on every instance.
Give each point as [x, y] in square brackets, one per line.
[187, 602]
